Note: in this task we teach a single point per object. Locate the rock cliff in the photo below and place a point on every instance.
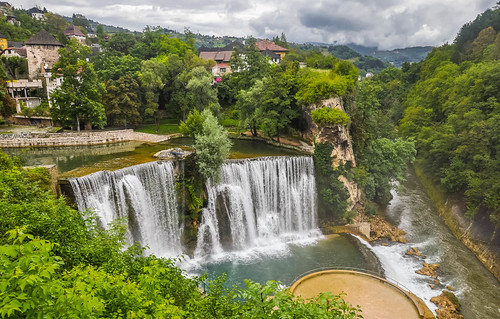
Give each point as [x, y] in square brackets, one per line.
[339, 137]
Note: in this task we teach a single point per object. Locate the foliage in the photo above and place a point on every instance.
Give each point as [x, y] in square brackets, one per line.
[212, 147]
[330, 116]
[193, 124]
[122, 103]
[152, 77]
[15, 66]
[332, 195]
[343, 52]
[200, 88]
[271, 301]
[112, 67]
[80, 95]
[315, 86]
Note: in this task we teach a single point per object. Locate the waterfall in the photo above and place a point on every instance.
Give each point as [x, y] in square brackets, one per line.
[144, 195]
[259, 203]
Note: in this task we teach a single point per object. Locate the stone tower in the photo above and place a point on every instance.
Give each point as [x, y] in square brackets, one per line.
[41, 51]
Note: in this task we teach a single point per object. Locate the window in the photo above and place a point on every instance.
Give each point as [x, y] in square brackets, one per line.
[222, 70]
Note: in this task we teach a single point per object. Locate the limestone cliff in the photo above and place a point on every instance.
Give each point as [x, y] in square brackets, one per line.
[339, 137]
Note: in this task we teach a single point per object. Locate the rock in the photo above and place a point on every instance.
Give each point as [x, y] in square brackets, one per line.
[448, 306]
[432, 286]
[384, 244]
[172, 153]
[380, 228]
[428, 270]
[413, 252]
[450, 288]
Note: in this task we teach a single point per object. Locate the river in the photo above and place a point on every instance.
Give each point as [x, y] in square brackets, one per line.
[476, 288]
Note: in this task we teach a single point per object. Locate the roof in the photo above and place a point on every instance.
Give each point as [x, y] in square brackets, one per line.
[224, 56]
[15, 44]
[72, 30]
[2, 36]
[43, 38]
[263, 45]
[34, 10]
[270, 54]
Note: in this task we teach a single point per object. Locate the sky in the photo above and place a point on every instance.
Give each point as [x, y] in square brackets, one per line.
[386, 24]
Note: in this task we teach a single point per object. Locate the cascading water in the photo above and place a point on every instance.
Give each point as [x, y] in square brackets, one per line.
[261, 203]
[144, 195]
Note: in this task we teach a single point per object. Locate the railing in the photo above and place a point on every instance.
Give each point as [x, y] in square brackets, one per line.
[377, 275]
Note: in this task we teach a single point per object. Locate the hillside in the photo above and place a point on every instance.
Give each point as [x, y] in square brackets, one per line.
[397, 56]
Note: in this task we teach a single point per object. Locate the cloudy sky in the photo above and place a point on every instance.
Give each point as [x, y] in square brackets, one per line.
[388, 24]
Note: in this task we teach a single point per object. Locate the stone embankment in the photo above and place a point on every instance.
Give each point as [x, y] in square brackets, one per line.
[76, 138]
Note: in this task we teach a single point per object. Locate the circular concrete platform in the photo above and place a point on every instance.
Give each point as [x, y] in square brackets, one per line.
[377, 297]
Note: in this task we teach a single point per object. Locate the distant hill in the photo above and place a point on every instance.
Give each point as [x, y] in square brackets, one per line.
[396, 56]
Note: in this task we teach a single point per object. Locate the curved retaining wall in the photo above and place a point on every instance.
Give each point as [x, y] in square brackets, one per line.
[76, 138]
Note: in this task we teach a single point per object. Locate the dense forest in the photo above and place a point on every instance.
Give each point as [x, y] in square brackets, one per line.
[449, 104]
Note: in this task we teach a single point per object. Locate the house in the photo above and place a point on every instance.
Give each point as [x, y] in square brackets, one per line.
[269, 48]
[41, 52]
[221, 56]
[73, 32]
[5, 7]
[3, 42]
[12, 20]
[36, 13]
[15, 49]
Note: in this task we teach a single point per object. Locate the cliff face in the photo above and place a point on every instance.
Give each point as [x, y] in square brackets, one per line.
[340, 139]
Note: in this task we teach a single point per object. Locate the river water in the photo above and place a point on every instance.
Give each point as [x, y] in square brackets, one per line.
[476, 288]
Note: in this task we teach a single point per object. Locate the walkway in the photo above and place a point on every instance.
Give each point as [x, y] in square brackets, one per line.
[378, 298]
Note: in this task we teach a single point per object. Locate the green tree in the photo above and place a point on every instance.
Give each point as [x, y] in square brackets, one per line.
[193, 124]
[79, 98]
[152, 77]
[15, 66]
[212, 146]
[247, 104]
[122, 102]
[202, 91]
[329, 116]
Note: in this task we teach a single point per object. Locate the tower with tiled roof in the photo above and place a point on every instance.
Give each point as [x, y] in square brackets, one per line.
[41, 53]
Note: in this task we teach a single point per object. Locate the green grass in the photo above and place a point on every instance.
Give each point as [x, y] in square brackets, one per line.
[166, 127]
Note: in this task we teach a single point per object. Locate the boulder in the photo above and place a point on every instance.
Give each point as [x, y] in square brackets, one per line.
[172, 153]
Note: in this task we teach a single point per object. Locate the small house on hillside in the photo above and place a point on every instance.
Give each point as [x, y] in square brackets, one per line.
[15, 49]
[36, 13]
[272, 50]
[221, 56]
[12, 20]
[73, 32]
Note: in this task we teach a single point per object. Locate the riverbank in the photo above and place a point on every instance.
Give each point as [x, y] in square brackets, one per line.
[45, 139]
[474, 234]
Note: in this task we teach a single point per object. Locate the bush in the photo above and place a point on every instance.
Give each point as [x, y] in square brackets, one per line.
[329, 116]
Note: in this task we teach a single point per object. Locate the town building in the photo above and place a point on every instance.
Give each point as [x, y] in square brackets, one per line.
[73, 32]
[41, 51]
[222, 56]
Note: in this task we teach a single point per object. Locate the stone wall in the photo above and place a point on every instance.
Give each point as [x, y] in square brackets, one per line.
[74, 138]
[37, 56]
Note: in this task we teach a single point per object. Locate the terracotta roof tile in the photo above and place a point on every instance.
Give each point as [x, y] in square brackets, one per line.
[263, 45]
[73, 30]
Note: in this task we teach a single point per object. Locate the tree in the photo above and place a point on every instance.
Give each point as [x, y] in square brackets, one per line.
[152, 77]
[193, 124]
[121, 43]
[112, 67]
[202, 90]
[79, 98]
[212, 146]
[122, 103]
[247, 104]
[15, 66]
